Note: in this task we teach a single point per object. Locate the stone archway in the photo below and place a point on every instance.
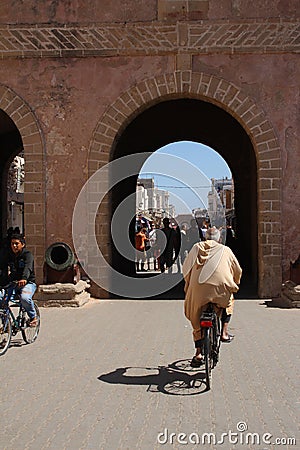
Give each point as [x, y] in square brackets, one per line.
[34, 190]
[251, 117]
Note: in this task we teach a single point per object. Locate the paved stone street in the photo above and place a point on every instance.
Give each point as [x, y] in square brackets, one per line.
[114, 374]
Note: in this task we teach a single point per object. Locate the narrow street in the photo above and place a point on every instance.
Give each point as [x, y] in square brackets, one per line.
[114, 374]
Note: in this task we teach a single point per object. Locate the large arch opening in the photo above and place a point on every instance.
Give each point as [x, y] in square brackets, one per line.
[203, 122]
[10, 146]
[191, 184]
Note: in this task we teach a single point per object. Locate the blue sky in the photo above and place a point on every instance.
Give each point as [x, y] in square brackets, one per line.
[185, 195]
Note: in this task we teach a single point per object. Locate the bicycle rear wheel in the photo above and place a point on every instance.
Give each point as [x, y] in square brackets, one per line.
[5, 332]
[216, 340]
[207, 347]
[30, 333]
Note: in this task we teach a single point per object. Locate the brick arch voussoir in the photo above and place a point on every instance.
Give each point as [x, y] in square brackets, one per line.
[209, 87]
[34, 190]
[127, 106]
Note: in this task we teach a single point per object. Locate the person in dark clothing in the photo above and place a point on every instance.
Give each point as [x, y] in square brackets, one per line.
[18, 265]
[167, 246]
[230, 238]
[184, 243]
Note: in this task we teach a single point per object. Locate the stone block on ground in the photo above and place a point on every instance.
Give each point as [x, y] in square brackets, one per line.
[62, 294]
[291, 292]
[290, 296]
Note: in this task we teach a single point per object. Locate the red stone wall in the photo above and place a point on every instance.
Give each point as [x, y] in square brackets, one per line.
[67, 62]
[272, 81]
[82, 11]
[118, 11]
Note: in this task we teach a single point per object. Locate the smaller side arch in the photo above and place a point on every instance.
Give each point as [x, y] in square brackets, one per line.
[34, 187]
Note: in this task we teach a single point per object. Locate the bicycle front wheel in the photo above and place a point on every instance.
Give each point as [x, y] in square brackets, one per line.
[5, 332]
[207, 346]
[30, 333]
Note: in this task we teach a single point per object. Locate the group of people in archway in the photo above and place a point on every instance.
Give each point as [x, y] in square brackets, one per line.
[159, 248]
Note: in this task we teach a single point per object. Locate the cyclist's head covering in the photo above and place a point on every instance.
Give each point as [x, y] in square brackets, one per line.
[213, 234]
[18, 236]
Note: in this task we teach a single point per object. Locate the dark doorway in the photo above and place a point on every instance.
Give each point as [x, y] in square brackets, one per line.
[10, 146]
[203, 122]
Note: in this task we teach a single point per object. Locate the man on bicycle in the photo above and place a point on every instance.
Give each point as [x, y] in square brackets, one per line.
[17, 264]
[212, 274]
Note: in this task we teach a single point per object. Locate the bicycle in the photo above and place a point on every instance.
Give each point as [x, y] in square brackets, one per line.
[11, 324]
[211, 326]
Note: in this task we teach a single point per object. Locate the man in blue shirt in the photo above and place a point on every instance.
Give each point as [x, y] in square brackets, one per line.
[18, 265]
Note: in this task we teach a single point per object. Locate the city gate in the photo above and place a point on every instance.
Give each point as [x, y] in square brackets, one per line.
[81, 86]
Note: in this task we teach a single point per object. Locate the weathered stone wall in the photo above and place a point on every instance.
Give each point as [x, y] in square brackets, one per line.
[91, 11]
[65, 63]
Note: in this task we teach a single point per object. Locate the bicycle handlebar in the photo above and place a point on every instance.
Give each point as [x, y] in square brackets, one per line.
[10, 284]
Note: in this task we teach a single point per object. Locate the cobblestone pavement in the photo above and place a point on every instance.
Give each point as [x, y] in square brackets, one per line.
[114, 374]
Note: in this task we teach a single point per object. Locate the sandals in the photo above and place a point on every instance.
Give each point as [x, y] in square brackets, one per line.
[33, 322]
[229, 339]
[196, 362]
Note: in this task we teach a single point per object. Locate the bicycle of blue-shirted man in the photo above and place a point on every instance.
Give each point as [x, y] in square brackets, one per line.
[10, 323]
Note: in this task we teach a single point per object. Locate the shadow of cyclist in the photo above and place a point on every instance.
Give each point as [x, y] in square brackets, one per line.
[178, 378]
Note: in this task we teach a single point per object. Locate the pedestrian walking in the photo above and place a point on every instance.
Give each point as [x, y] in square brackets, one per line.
[152, 253]
[167, 246]
[140, 248]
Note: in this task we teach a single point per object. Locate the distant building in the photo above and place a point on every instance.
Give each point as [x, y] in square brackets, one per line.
[142, 199]
[153, 201]
[15, 193]
[221, 201]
